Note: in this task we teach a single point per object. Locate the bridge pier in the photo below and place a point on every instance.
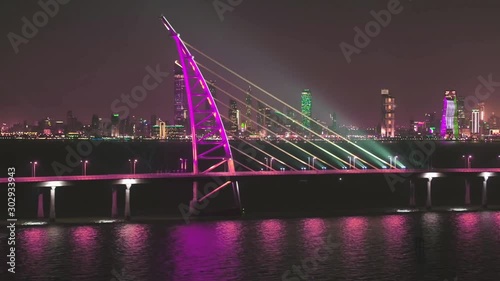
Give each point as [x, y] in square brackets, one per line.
[40, 213]
[467, 192]
[194, 202]
[114, 205]
[412, 194]
[127, 201]
[53, 204]
[484, 200]
[429, 193]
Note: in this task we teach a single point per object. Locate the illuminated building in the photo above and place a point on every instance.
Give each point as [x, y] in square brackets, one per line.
[475, 121]
[387, 128]
[449, 121]
[248, 111]
[431, 124]
[180, 98]
[333, 118]
[233, 116]
[306, 108]
[115, 121]
[260, 115]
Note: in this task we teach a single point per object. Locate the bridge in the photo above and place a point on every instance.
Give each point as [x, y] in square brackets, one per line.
[212, 156]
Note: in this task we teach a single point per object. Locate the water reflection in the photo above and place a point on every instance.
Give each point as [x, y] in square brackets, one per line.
[353, 231]
[84, 252]
[206, 251]
[314, 235]
[133, 241]
[271, 235]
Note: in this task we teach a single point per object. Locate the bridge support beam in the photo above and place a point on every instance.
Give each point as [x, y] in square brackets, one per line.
[114, 205]
[194, 202]
[484, 200]
[467, 192]
[40, 213]
[237, 198]
[429, 193]
[127, 201]
[412, 194]
[53, 204]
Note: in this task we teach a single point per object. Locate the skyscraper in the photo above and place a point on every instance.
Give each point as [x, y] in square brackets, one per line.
[306, 108]
[475, 121]
[233, 116]
[387, 128]
[248, 111]
[260, 115]
[449, 121]
[180, 98]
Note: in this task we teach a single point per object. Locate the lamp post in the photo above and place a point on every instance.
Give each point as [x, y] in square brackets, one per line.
[84, 167]
[314, 158]
[469, 161]
[390, 162]
[181, 162]
[33, 168]
[132, 164]
[350, 165]
[395, 162]
[271, 163]
[354, 162]
[267, 163]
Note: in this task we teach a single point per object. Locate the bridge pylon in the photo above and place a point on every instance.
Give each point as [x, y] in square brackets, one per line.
[210, 144]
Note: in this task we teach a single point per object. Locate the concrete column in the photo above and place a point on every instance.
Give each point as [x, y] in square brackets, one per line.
[485, 193]
[114, 205]
[194, 202]
[467, 192]
[127, 201]
[40, 213]
[412, 194]
[53, 204]
[429, 193]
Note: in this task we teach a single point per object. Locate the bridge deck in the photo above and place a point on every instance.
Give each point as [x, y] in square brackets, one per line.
[423, 173]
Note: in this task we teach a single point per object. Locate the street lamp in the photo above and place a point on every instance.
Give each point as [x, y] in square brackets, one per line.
[390, 162]
[354, 161]
[350, 165]
[33, 168]
[395, 162]
[467, 160]
[271, 163]
[267, 163]
[314, 158]
[132, 163]
[84, 167]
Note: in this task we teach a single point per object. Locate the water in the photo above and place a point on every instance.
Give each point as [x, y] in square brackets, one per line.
[364, 248]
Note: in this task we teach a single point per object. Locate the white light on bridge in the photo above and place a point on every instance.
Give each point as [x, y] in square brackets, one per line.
[106, 221]
[458, 209]
[34, 223]
[431, 175]
[405, 211]
[54, 183]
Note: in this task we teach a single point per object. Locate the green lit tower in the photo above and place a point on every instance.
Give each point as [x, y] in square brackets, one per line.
[306, 108]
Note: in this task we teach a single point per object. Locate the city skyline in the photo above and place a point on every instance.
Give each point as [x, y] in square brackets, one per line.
[86, 85]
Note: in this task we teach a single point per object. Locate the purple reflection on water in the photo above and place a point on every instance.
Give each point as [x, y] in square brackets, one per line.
[313, 233]
[468, 225]
[353, 238]
[228, 235]
[200, 245]
[134, 238]
[84, 247]
[272, 232]
[35, 240]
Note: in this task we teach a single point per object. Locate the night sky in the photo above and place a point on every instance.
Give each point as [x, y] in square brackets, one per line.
[92, 51]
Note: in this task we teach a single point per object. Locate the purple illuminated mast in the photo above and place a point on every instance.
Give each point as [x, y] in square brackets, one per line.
[211, 150]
